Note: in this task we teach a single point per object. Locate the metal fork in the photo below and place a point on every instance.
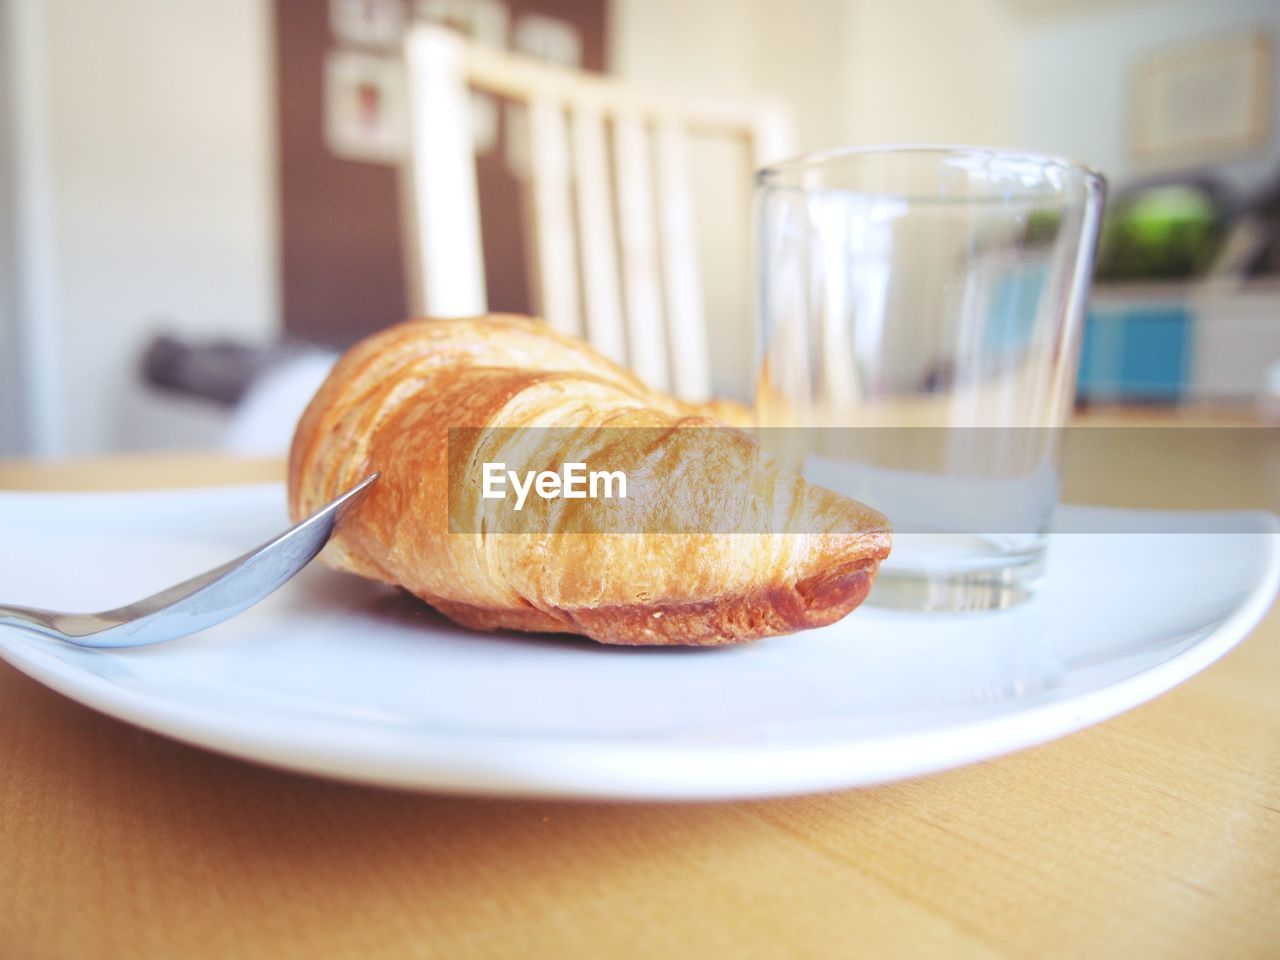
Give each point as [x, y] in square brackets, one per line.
[198, 603]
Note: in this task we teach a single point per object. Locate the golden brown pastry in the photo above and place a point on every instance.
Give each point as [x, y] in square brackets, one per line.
[659, 567]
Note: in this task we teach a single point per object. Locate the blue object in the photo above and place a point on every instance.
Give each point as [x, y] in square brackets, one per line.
[1136, 352]
[1013, 314]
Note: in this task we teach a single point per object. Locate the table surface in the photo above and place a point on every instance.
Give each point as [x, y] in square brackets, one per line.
[1154, 834]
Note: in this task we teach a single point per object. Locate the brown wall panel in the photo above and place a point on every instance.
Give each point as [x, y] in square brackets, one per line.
[342, 259]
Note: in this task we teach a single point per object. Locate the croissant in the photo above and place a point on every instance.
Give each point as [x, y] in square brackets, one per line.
[713, 544]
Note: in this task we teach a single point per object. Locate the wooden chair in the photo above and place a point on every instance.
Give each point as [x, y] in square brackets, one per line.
[612, 224]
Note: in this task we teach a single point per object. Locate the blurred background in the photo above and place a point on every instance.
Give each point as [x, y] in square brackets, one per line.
[196, 195]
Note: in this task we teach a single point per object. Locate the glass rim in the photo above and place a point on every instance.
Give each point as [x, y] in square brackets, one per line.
[774, 174]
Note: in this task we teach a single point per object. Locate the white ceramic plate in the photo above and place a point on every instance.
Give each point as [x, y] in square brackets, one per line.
[340, 677]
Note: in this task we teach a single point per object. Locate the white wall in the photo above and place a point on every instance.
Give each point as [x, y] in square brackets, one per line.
[1074, 72]
[12, 429]
[849, 72]
[934, 71]
[740, 47]
[160, 151]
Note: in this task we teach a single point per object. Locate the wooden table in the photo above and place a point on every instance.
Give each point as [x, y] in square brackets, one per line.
[1156, 834]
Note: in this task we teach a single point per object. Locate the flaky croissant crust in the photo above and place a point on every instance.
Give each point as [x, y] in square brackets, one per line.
[388, 406]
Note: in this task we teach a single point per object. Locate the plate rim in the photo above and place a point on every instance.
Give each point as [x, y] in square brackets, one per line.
[640, 769]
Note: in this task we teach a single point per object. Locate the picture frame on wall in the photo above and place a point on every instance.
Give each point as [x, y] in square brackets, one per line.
[378, 24]
[364, 109]
[1201, 102]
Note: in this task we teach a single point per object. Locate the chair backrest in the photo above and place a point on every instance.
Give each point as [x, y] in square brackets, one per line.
[614, 247]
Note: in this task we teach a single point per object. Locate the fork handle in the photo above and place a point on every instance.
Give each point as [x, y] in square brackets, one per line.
[28, 618]
[60, 626]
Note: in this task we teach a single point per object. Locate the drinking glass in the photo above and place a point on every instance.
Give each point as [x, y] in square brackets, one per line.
[920, 312]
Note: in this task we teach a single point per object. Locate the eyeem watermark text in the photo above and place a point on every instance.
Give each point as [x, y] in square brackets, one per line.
[573, 482]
